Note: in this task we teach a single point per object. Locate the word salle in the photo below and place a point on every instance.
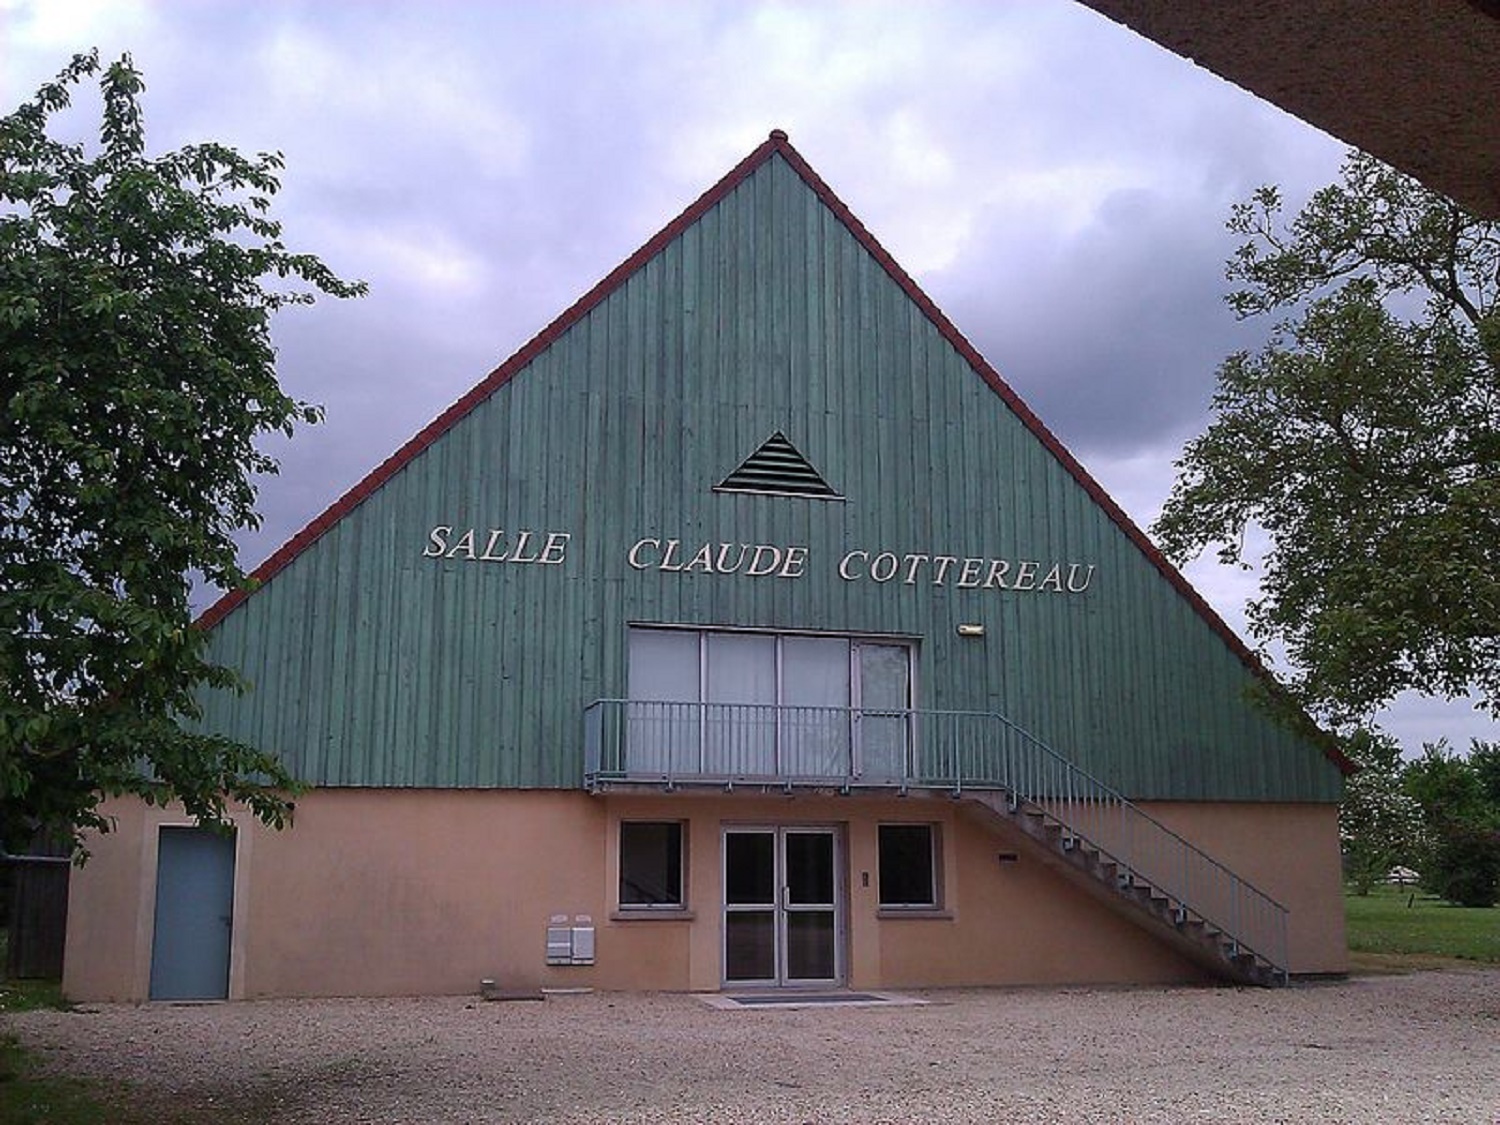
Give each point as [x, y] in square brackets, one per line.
[769, 560]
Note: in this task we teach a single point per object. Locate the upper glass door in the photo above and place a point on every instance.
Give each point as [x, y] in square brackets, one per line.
[883, 710]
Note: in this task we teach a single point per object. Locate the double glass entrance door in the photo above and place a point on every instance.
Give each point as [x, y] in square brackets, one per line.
[782, 919]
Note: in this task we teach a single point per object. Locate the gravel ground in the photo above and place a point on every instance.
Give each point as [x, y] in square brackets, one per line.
[1417, 1048]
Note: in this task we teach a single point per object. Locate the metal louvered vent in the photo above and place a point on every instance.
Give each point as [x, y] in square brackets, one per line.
[777, 468]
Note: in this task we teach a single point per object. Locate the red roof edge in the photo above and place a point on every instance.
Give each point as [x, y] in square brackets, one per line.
[776, 144]
[1094, 489]
[490, 383]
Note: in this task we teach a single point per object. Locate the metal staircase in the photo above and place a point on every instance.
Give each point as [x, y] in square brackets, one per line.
[1078, 825]
[1111, 847]
[1112, 881]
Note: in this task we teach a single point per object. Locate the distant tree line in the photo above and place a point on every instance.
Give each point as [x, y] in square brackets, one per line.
[1438, 814]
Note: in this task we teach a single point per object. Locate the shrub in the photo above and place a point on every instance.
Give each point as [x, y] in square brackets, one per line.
[1466, 866]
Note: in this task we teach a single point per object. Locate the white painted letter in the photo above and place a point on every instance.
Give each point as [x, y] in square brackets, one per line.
[796, 559]
[437, 542]
[1025, 576]
[996, 579]
[669, 560]
[968, 577]
[703, 559]
[519, 554]
[724, 549]
[1087, 578]
[878, 564]
[465, 545]
[489, 547]
[844, 564]
[943, 563]
[1053, 580]
[912, 562]
[755, 570]
[556, 549]
[634, 558]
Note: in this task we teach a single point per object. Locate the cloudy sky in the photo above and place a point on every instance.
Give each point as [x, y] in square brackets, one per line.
[1056, 184]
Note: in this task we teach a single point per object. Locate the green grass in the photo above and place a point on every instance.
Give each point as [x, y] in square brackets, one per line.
[31, 1095]
[31, 995]
[1402, 921]
[30, 1098]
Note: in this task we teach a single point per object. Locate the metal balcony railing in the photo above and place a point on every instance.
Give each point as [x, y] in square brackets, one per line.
[725, 744]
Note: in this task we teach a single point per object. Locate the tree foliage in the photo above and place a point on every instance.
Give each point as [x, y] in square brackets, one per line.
[1438, 813]
[1364, 440]
[136, 295]
[1380, 823]
[1465, 866]
[1459, 849]
[1448, 788]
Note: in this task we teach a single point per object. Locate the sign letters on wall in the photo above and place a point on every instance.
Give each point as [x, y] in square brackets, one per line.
[768, 560]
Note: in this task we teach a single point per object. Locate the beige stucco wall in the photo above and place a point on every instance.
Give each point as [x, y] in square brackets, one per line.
[390, 892]
[1289, 851]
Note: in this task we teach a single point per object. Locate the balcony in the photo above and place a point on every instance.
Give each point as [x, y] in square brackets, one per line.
[671, 745]
[1080, 824]
[727, 744]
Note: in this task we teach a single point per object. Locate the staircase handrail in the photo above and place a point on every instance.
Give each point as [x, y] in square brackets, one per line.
[1107, 789]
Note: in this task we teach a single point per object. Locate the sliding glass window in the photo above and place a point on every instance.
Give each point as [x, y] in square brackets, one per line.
[747, 705]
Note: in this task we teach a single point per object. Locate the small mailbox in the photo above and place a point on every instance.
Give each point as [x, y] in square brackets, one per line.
[570, 945]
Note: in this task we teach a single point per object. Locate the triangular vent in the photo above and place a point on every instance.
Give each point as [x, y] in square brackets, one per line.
[777, 468]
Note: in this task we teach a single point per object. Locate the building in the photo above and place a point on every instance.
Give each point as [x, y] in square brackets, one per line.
[744, 628]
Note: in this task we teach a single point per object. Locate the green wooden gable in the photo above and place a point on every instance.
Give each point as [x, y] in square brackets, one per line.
[447, 622]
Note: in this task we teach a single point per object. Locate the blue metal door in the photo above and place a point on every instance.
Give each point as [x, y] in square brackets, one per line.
[194, 910]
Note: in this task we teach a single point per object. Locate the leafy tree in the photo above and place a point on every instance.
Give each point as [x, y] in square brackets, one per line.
[1484, 758]
[1364, 440]
[1465, 866]
[1380, 824]
[1447, 787]
[136, 372]
[1460, 855]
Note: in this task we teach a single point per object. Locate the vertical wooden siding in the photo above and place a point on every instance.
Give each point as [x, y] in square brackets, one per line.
[376, 666]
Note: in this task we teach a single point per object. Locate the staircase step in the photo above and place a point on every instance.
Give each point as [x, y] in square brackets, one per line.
[1166, 910]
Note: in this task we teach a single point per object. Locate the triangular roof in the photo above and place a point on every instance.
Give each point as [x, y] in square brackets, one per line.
[776, 144]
